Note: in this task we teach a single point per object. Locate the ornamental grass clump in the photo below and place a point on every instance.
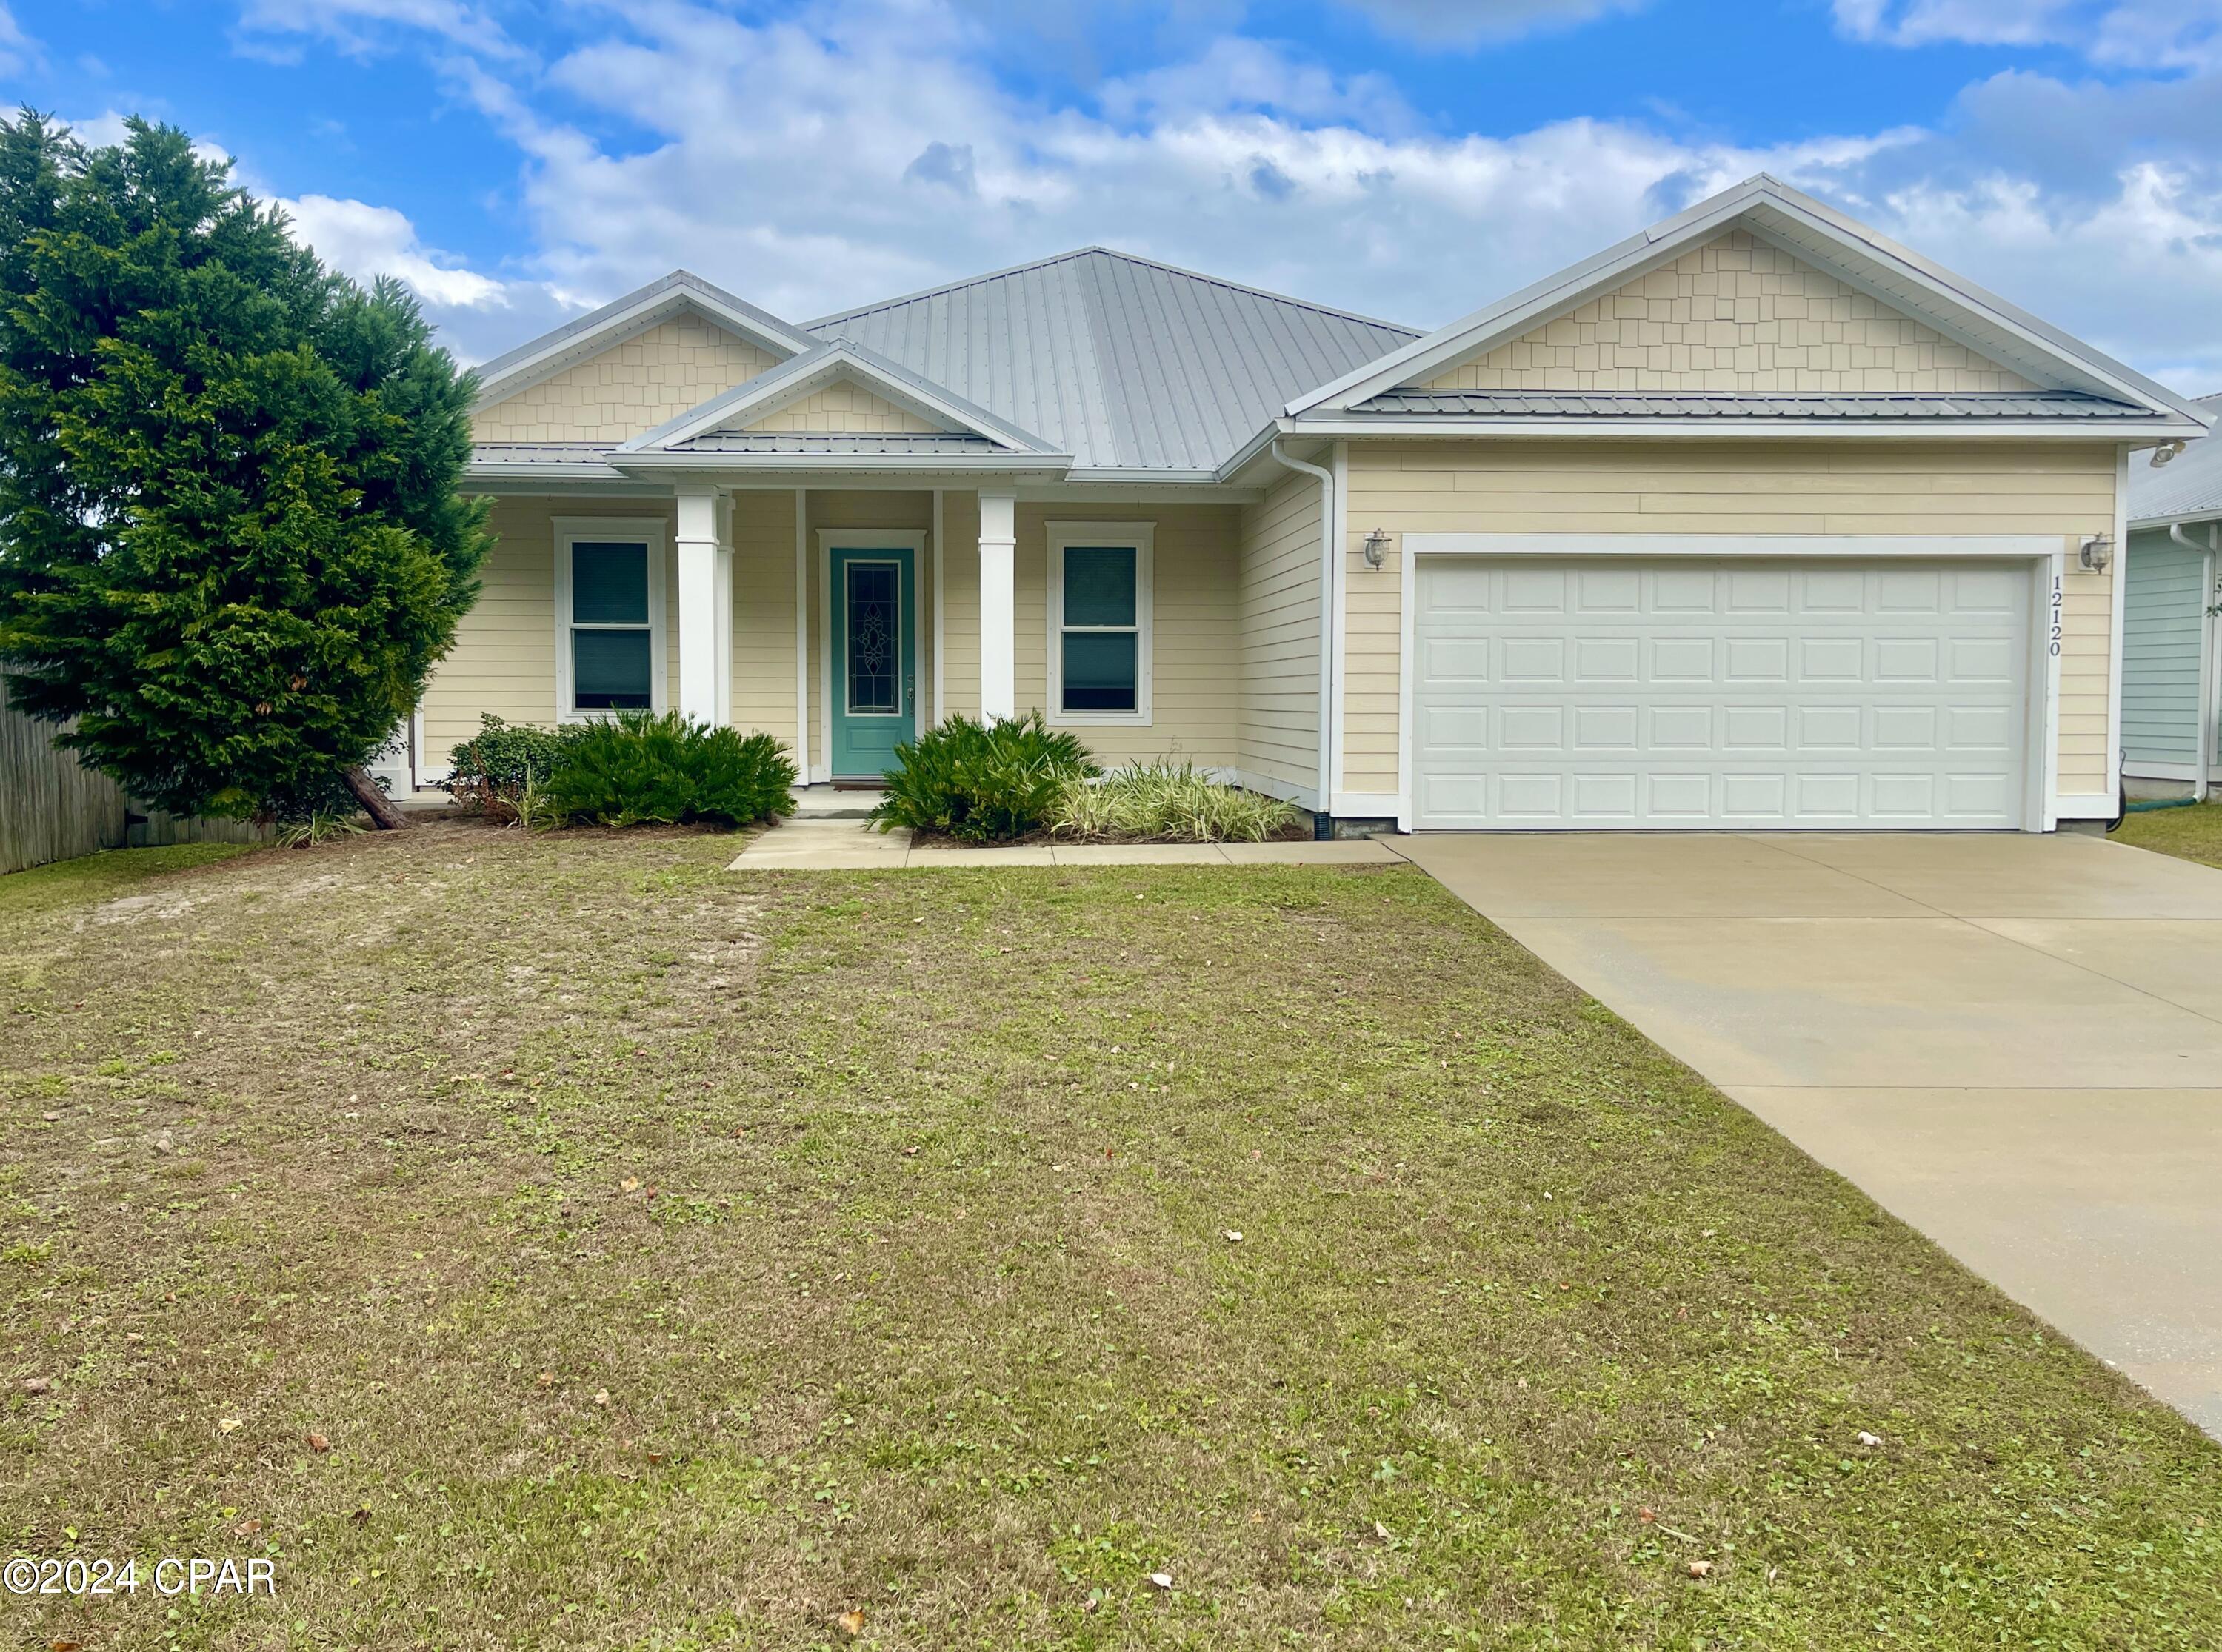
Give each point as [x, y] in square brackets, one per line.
[982, 783]
[1169, 802]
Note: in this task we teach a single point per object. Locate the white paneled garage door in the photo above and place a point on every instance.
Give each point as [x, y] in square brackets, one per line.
[1594, 693]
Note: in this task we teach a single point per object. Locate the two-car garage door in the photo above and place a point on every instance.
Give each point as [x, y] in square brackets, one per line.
[1589, 694]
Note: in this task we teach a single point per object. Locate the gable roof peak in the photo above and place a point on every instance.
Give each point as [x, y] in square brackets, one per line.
[825, 363]
[627, 315]
[1808, 229]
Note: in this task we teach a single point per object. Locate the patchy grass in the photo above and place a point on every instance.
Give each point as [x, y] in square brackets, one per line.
[672, 1259]
[2193, 834]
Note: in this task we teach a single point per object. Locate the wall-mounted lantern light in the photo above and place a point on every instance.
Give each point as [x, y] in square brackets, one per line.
[1377, 549]
[2097, 554]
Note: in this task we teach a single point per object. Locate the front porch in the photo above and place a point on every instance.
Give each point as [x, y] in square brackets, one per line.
[844, 619]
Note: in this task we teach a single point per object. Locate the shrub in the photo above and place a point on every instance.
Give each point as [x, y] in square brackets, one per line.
[638, 768]
[491, 771]
[233, 538]
[982, 784]
[1173, 801]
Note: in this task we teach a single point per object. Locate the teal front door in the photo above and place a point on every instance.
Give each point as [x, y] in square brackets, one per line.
[875, 665]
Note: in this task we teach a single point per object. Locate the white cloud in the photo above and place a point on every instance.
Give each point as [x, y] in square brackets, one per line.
[865, 147]
[1234, 72]
[366, 241]
[1470, 23]
[2166, 35]
[362, 26]
[18, 51]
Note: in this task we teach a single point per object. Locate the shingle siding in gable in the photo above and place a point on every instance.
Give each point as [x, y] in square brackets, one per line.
[846, 407]
[632, 386]
[1735, 314]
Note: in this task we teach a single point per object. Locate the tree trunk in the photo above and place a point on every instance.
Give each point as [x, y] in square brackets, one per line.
[383, 813]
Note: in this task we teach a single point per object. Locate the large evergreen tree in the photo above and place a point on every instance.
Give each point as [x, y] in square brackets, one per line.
[231, 545]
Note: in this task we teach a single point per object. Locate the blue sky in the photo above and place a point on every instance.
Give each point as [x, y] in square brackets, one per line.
[1410, 159]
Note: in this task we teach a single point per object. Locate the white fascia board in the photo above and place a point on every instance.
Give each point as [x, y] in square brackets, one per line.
[2177, 519]
[1791, 429]
[984, 464]
[542, 358]
[596, 484]
[1606, 271]
[1080, 492]
[1140, 476]
[485, 470]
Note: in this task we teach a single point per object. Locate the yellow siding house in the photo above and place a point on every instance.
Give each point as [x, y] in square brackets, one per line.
[1755, 520]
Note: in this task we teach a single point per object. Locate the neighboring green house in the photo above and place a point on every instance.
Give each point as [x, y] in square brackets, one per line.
[2170, 679]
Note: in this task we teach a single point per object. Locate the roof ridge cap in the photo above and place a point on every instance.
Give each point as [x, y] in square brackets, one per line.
[1098, 248]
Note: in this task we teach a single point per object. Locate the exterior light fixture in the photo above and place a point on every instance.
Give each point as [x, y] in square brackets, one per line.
[2165, 452]
[1377, 549]
[2096, 555]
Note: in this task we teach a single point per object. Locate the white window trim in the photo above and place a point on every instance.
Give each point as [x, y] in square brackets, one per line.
[1141, 538]
[655, 532]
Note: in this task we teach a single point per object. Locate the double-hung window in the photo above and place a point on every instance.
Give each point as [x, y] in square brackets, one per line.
[1099, 622]
[609, 615]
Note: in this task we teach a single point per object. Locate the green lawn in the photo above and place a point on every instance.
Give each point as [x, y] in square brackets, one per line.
[2193, 834]
[669, 1258]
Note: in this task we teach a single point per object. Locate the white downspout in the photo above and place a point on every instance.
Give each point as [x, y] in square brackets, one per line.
[2202, 769]
[1328, 642]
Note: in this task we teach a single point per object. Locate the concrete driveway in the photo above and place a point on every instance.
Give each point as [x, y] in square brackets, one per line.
[2012, 1042]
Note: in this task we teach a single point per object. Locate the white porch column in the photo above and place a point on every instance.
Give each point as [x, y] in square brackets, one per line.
[999, 696]
[722, 629]
[700, 651]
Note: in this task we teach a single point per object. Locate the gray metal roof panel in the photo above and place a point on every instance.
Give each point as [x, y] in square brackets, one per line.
[1530, 403]
[2189, 487]
[1122, 362]
[541, 453]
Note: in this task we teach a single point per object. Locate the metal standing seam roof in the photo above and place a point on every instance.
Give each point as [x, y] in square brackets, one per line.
[1989, 404]
[1121, 361]
[542, 452]
[2188, 488]
[899, 444]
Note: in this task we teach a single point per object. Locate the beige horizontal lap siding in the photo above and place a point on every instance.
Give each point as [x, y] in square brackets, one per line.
[1735, 314]
[960, 597]
[630, 387]
[503, 657]
[1277, 612]
[763, 613]
[1790, 487]
[845, 408]
[1196, 677]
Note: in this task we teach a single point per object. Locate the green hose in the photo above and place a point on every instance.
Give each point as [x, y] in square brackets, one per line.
[2143, 804]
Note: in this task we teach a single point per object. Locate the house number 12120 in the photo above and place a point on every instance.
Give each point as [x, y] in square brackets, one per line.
[2055, 614]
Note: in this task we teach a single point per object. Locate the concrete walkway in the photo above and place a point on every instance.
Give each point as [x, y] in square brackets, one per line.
[845, 844]
[2013, 1042]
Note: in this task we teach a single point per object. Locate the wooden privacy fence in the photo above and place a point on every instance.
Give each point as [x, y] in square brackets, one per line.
[53, 807]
